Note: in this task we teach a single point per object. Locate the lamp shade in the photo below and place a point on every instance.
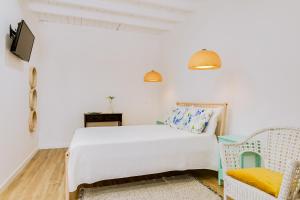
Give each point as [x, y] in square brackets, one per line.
[152, 76]
[204, 60]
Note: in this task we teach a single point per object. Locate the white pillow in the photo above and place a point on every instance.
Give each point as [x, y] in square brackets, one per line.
[213, 122]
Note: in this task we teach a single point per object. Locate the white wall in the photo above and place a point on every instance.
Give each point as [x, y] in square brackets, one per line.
[16, 143]
[258, 42]
[82, 65]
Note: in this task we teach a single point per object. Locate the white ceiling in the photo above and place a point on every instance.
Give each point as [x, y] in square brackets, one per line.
[142, 15]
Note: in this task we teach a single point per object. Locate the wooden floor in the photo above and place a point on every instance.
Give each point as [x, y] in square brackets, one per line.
[43, 178]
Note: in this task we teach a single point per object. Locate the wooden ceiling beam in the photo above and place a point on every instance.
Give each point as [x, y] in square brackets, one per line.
[179, 5]
[123, 8]
[40, 7]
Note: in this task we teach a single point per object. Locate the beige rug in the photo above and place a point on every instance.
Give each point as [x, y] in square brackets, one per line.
[172, 188]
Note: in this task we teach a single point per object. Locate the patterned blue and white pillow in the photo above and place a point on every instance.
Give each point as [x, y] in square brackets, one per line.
[169, 117]
[196, 119]
[176, 117]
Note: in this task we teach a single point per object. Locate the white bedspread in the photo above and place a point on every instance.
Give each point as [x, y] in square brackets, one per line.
[102, 153]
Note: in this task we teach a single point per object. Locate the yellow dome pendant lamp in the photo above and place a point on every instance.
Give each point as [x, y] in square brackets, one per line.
[152, 76]
[204, 60]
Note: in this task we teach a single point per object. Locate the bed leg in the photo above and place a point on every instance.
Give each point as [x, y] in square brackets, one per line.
[67, 194]
[72, 195]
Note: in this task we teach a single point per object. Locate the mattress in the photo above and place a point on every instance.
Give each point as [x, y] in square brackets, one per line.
[102, 153]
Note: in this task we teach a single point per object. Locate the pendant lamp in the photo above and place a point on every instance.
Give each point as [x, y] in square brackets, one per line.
[152, 76]
[204, 60]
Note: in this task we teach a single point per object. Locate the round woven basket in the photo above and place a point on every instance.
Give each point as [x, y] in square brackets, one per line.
[32, 77]
[33, 99]
[32, 121]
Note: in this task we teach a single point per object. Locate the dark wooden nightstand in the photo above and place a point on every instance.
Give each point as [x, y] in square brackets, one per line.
[102, 117]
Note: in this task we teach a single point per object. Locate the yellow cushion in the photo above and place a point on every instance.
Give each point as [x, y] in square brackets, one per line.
[264, 179]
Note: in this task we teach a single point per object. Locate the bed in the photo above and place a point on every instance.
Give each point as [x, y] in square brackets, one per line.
[103, 153]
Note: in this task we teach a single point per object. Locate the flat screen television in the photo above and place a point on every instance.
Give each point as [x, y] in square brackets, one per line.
[23, 40]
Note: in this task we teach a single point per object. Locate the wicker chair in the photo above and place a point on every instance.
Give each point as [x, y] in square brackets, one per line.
[279, 149]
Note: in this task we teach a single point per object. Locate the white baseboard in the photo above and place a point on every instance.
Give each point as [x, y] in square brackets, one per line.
[17, 171]
[53, 146]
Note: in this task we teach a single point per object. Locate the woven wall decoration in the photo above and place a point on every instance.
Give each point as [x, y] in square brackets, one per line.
[32, 99]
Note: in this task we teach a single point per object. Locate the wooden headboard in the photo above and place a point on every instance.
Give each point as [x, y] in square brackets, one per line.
[222, 118]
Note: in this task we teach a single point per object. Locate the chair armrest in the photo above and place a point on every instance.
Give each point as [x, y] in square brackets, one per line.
[229, 156]
[290, 185]
[231, 153]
